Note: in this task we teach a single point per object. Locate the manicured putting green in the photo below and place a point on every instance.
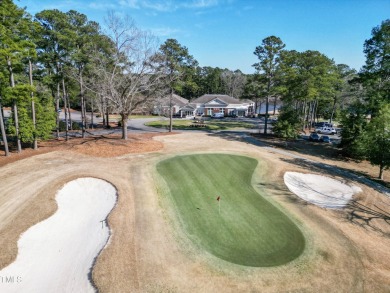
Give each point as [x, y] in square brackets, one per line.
[248, 230]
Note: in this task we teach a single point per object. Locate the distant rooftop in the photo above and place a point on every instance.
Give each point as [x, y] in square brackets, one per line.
[209, 97]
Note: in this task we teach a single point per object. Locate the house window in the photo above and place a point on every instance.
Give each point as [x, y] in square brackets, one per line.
[216, 110]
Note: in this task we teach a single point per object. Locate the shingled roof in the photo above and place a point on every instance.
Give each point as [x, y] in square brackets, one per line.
[176, 100]
[209, 97]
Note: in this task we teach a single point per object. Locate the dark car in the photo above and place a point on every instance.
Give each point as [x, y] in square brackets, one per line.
[323, 124]
[325, 138]
[314, 137]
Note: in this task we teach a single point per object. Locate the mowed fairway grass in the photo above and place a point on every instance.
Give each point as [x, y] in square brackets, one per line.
[248, 230]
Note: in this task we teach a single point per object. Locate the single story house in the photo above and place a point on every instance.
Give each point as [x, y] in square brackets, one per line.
[163, 105]
[210, 104]
[205, 105]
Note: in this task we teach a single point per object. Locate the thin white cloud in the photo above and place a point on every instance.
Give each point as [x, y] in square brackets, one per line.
[157, 5]
[202, 3]
[162, 6]
[135, 4]
[170, 5]
[164, 31]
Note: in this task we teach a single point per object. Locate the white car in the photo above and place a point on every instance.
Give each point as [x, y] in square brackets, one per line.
[326, 130]
[217, 115]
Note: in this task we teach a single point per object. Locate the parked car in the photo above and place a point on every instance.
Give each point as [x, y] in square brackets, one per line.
[217, 115]
[323, 124]
[326, 139]
[314, 137]
[326, 130]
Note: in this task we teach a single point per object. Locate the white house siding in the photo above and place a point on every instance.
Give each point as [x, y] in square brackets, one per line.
[210, 104]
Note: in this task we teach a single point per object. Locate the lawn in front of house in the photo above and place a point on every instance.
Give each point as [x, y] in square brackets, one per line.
[241, 227]
[116, 117]
[214, 124]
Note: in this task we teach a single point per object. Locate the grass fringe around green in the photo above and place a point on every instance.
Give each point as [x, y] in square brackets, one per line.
[242, 227]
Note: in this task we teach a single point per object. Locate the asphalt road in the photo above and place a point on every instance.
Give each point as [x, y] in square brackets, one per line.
[133, 125]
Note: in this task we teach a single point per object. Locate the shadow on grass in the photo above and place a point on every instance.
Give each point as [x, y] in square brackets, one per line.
[364, 216]
[349, 174]
[213, 125]
[355, 212]
[221, 125]
[75, 139]
[319, 150]
[233, 136]
[303, 146]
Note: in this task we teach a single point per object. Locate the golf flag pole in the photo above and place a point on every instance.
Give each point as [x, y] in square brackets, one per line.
[219, 204]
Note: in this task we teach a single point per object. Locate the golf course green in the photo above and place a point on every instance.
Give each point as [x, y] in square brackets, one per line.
[242, 227]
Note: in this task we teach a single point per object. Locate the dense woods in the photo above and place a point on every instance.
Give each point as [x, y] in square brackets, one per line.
[58, 60]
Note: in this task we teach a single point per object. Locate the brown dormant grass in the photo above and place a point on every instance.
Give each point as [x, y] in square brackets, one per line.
[149, 252]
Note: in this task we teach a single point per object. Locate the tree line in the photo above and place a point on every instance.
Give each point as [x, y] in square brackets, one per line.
[57, 60]
[310, 85]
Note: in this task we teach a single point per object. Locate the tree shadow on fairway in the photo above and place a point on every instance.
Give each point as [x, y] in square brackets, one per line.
[314, 166]
[299, 147]
[278, 189]
[281, 190]
[375, 217]
[229, 124]
[302, 146]
[337, 171]
[369, 217]
[230, 135]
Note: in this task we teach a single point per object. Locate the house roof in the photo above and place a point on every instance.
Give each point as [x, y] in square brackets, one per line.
[176, 100]
[209, 97]
[179, 100]
[247, 101]
[188, 107]
[216, 102]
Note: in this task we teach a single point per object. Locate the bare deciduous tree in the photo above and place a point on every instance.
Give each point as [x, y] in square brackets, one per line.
[129, 76]
[234, 82]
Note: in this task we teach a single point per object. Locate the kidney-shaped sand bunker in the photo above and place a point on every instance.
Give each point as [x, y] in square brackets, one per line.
[57, 254]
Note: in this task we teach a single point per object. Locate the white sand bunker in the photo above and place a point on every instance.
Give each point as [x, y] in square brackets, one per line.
[320, 190]
[57, 254]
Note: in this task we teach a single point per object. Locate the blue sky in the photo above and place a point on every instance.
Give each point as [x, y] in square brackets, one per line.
[225, 33]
